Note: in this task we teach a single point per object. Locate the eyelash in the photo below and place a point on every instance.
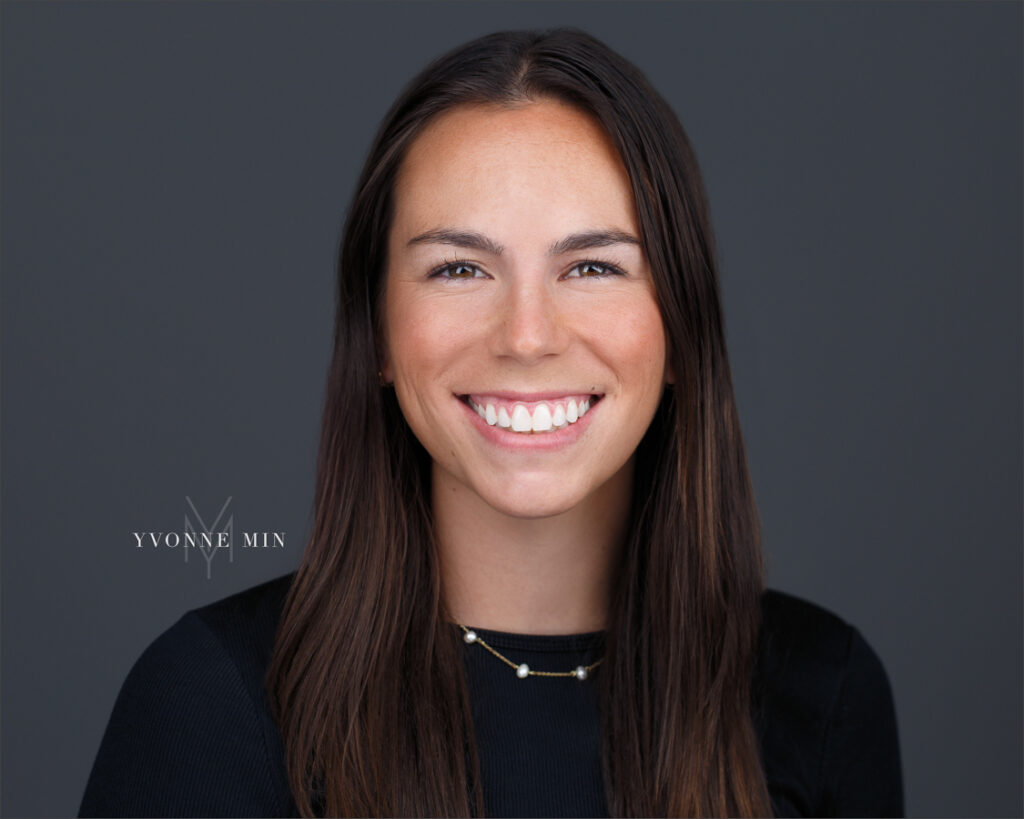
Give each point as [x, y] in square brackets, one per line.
[611, 270]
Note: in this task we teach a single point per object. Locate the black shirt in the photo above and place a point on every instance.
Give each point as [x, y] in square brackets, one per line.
[191, 735]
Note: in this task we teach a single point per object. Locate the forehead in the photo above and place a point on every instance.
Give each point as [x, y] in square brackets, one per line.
[476, 160]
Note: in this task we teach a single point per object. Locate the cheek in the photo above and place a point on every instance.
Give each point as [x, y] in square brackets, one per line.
[633, 338]
[423, 335]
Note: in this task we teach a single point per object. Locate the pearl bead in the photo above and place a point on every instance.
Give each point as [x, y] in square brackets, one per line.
[469, 637]
[581, 673]
[523, 671]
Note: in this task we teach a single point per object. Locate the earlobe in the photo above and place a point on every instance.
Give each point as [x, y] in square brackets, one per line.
[384, 373]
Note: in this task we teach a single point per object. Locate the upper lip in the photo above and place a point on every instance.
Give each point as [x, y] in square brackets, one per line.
[548, 395]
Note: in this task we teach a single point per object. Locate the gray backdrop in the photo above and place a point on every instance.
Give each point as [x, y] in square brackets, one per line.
[174, 178]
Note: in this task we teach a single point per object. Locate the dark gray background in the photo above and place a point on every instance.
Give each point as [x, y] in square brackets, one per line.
[174, 178]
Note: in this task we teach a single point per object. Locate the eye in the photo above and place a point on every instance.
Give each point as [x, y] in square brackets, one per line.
[593, 270]
[456, 271]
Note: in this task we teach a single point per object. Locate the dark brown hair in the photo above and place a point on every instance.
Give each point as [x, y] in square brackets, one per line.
[366, 677]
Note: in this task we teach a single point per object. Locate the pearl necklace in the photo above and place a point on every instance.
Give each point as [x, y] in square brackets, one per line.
[522, 669]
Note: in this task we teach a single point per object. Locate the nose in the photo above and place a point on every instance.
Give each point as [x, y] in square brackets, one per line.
[531, 325]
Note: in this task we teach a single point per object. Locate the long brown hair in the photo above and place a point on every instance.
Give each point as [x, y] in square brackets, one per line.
[366, 678]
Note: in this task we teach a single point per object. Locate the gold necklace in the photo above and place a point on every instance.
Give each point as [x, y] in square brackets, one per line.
[522, 669]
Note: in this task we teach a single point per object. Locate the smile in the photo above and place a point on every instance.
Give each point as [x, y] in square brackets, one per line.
[531, 417]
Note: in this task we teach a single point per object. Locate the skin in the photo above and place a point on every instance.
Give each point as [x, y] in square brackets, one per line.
[528, 539]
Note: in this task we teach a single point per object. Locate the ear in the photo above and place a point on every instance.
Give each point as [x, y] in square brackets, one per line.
[670, 374]
[383, 356]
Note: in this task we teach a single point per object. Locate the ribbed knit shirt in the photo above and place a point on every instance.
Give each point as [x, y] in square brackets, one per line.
[191, 733]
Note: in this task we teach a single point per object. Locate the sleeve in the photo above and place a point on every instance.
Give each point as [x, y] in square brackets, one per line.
[861, 759]
[185, 737]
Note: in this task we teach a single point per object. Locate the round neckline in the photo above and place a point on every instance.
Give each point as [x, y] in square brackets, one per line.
[543, 643]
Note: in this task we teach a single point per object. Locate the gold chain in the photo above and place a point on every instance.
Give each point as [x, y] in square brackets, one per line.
[522, 669]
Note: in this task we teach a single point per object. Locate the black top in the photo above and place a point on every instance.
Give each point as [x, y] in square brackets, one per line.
[190, 733]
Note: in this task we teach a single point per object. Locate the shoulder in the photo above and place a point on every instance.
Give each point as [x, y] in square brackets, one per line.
[802, 653]
[802, 636]
[825, 712]
[191, 732]
[227, 641]
[804, 645]
[243, 623]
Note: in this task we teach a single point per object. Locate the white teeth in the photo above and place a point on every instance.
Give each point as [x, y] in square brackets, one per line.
[544, 417]
[541, 418]
[521, 421]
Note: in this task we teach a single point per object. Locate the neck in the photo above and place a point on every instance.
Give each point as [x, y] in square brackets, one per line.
[550, 575]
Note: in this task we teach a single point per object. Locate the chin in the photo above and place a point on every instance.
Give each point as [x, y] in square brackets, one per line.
[540, 503]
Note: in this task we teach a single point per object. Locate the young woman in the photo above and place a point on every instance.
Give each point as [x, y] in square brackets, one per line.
[534, 583]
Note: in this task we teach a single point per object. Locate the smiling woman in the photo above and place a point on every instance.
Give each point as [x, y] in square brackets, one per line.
[531, 367]
[534, 583]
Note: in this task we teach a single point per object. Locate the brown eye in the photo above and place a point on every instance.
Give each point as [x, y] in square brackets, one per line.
[456, 270]
[593, 270]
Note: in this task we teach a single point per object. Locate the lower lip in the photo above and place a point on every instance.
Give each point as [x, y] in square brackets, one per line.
[530, 441]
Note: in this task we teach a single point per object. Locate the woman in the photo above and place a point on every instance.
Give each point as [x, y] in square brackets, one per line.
[534, 583]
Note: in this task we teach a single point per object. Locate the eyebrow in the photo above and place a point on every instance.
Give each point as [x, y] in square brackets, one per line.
[477, 241]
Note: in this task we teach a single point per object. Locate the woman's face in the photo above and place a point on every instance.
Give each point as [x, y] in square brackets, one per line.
[522, 334]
